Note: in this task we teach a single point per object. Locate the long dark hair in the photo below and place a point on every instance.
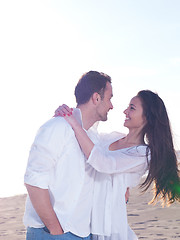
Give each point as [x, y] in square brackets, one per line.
[163, 167]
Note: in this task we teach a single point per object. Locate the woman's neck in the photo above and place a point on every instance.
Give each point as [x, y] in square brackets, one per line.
[134, 137]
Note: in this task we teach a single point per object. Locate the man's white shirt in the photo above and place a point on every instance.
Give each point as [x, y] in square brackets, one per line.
[57, 163]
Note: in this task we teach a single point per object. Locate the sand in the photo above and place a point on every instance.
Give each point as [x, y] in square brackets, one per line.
[153, 222]
[11, 213]
[149, 222]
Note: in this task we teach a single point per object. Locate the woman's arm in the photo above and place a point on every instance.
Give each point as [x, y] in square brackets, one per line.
[82, 137]
[102, 160]
[109, 161]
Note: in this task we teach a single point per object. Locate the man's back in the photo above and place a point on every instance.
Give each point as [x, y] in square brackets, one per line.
[56, 163]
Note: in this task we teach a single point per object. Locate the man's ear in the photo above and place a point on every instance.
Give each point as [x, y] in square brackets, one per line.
[96, 98]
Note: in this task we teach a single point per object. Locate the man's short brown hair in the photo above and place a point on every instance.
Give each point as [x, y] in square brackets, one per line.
[90, 83]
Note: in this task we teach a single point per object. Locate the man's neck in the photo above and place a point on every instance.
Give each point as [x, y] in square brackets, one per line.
[87, 116]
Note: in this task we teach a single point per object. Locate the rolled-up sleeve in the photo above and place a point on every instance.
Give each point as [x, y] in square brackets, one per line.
[119, 161]
[45, 152]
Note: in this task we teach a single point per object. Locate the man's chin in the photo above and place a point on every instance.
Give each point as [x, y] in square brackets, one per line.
[104, 119]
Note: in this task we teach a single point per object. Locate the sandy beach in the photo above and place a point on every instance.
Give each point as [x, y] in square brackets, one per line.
[149, 222]
[153, 222]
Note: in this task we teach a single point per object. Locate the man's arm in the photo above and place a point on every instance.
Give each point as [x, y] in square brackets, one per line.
[41, 202]
[43, 156]
[127, 194]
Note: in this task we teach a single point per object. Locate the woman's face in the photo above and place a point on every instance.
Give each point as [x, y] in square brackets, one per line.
[134, 114]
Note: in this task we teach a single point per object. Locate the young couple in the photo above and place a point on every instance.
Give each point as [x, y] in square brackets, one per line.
[77, 179]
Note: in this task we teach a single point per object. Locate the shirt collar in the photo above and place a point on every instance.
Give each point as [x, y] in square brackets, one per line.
[78, 115]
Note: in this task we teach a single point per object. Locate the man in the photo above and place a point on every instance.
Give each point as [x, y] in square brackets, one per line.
[58, 180]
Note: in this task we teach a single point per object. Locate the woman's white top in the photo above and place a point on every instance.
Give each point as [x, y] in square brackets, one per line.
[109, 216]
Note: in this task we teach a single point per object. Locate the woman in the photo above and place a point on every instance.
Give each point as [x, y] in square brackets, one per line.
[149, 142]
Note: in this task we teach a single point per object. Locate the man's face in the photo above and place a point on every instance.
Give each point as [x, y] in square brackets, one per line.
[105, 104]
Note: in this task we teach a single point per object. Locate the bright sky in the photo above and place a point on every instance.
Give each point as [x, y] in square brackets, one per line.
[45, 46]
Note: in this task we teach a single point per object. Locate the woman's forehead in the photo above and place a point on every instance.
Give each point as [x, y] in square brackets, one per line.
[135, 101]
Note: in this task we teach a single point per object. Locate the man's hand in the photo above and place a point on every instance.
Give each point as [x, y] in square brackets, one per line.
[127, 194]
[56, 231]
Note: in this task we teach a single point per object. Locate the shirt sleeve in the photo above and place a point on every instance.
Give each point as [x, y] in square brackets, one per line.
[45, 152]
[119, 161]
